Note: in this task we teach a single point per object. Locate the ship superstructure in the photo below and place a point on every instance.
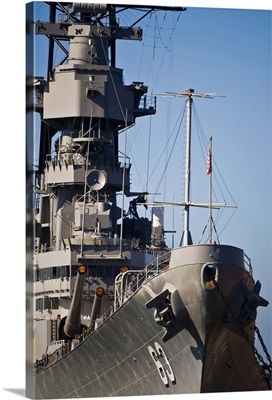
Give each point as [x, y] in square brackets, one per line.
[84, 106]
[116, 311]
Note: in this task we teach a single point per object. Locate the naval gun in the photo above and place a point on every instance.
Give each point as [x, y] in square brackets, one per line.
[71, 326]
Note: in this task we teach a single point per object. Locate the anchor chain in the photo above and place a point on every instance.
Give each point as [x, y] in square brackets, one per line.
[257, 354]
[263, 345]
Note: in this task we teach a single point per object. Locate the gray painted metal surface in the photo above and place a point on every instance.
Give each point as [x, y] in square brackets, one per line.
[202, 352]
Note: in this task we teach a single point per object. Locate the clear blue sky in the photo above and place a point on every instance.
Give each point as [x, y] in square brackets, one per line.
[213, 50]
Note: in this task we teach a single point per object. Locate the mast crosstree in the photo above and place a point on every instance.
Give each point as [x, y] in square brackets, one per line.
[186, 238]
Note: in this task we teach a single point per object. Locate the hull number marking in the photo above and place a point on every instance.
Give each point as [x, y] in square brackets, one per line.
[158, 356]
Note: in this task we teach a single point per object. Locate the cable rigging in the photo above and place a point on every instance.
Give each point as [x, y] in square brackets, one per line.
[177, 130]
[156, 27]
[203, 146]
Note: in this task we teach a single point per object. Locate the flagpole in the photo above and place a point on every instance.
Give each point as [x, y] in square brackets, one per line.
[209, 171]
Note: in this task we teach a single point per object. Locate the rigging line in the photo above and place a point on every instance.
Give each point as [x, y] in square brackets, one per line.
[112, 80]
[152, 64]
[149, 135]
[219, 186]
[63, 10]
[215, 230]
[181, 115]
[141, 61]
[166, 49]
[133, 150]
[127, 17]
[131, 146]
[142, 52]
[142, 17]
[219, 215]
[160, 36]
[163, 20]
[150, 120]
[166, 143]
[200, 128]
[179, 14]
[214, 162]
[203, 143]
[221, 212]
[224, 183]
[168, 118]
[228, 221]
[37, 7]
[132, 22]
[173, 146]
[204, 140]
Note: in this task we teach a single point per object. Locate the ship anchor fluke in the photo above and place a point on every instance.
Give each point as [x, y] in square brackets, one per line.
[252, 301]
[248, 311]
[170, 312]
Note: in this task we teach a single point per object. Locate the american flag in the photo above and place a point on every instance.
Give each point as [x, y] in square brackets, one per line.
[209, 162]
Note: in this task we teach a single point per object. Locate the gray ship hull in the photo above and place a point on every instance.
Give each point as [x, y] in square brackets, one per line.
[142, 349]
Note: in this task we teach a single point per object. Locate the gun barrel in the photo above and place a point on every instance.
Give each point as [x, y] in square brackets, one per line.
[72, 325]
[96, 304]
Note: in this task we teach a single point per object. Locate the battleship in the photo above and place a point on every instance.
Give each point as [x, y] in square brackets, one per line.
[117, 312]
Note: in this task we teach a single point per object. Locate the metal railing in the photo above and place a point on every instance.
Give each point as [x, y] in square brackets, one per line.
[147, 103]
[125, 288]
[72, 157]
[248, 263]
[49, 359]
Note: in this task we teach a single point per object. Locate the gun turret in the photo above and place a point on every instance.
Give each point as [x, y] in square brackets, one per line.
[72, 326]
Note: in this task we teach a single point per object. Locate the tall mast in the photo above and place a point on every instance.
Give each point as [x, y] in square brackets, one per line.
[186, 236]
